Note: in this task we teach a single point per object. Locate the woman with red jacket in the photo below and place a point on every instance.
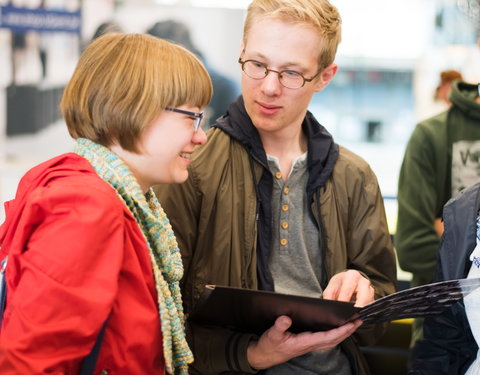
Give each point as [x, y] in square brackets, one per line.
[88, 244]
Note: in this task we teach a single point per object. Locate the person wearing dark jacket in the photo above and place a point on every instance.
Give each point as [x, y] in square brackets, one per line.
[441, 159]
[449, 347]
[225, 89]
[273, 203]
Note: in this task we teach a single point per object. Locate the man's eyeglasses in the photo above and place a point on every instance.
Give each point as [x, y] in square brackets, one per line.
[197, 116]
[288, 78]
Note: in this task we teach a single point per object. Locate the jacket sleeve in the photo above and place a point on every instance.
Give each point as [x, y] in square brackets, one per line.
[416, 240]
[219, 351]
[448, 346]
[62, 279]
[370, 246]
[216, 350]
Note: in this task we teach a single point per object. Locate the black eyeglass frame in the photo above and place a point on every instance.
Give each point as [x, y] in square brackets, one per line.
[279, 72]
[197, 116]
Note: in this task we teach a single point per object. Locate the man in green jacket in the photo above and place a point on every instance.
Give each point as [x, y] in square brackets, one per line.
[441, 159]
[273, 203]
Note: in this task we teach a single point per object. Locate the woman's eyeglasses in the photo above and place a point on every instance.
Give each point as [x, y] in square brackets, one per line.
[197, 116]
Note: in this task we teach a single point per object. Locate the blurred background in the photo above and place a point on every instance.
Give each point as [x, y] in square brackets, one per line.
[390, 59]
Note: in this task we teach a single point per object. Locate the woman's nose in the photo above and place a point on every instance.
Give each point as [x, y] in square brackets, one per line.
[199, 137]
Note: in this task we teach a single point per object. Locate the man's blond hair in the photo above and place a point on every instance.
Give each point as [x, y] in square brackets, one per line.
[322, 16]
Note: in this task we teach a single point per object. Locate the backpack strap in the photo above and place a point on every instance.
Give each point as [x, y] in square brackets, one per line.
[3, 288]
[88, 363]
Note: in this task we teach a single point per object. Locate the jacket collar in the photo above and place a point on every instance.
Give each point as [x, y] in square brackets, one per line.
[322, 150]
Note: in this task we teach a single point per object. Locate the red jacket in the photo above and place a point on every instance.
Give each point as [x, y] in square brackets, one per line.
[76, 257]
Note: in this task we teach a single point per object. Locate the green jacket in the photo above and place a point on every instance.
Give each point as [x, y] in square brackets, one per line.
[425, 182]
[213, 216]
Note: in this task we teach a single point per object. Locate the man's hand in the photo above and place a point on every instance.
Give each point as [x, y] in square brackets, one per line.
[438, 225]
[350, 286]
[277, 345]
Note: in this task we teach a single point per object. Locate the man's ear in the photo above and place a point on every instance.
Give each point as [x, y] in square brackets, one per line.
[242, 49]
[325, 77]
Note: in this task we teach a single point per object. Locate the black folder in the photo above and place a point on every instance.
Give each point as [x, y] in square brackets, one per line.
[255, 311]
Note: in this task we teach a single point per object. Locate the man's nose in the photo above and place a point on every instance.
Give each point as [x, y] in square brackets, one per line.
[271, 83]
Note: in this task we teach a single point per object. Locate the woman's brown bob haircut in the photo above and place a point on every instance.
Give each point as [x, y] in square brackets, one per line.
[124, 81]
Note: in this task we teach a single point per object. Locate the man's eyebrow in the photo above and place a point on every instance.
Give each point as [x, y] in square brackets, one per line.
[286, 64]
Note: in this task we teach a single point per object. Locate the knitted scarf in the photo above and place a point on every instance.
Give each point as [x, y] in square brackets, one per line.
[164, 253]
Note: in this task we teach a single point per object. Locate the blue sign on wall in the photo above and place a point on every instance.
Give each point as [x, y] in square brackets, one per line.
[24, 19]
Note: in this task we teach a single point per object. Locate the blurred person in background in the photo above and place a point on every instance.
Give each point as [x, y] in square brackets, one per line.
[88, 244]
[106, 28]
[225, 89]
[441, 159]
[451, 340]
[442, 92]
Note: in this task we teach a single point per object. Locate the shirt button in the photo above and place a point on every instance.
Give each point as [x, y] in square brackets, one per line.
[278, 175]
[104, 372]
[283, 241]
[285, 207]
[286, 191]
[284, 225]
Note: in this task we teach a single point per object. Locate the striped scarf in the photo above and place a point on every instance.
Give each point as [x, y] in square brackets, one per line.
[162, 245]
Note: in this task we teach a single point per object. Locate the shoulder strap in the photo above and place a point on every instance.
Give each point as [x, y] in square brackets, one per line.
[3, 288]
[88, 363]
